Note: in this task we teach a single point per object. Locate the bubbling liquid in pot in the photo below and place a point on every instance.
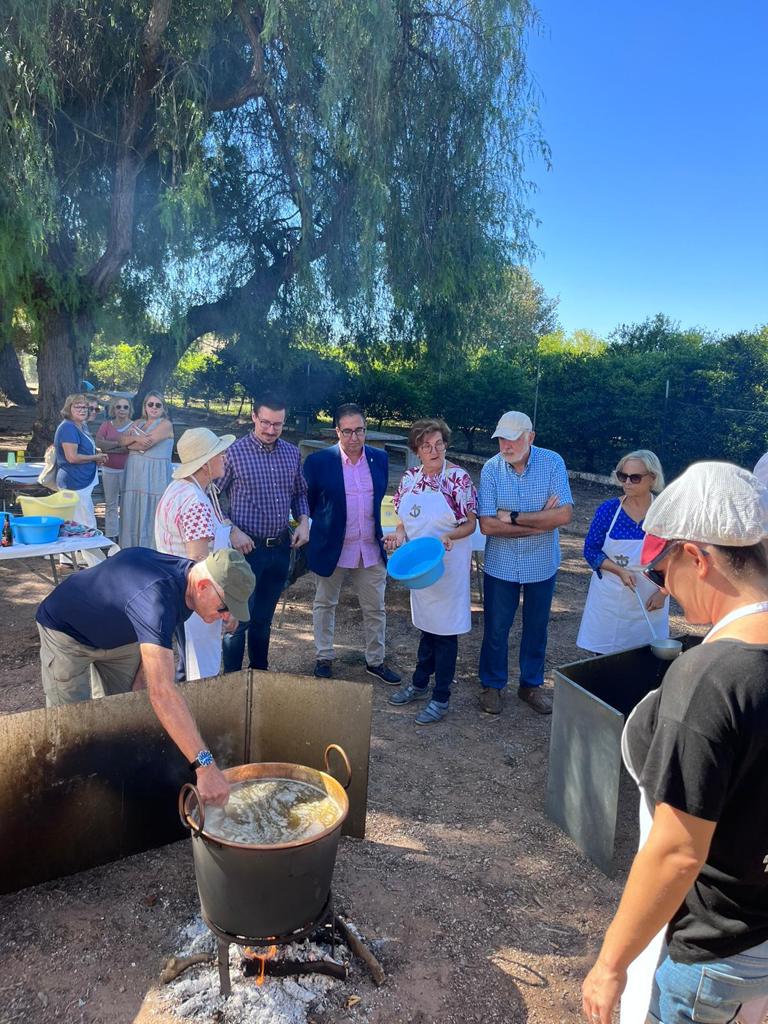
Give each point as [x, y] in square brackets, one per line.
[271, 811]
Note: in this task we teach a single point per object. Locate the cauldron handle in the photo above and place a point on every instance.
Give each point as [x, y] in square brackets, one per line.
[342, 754]
[186, 821]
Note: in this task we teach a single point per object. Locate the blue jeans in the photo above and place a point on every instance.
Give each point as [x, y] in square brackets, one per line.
[437, 654]
[500, 605]
[712, 992]
[270, 567]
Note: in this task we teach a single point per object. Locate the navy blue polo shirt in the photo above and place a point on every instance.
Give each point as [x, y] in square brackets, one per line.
[137, 596]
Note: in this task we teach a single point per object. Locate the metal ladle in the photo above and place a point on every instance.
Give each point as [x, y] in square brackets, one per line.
[666, 649]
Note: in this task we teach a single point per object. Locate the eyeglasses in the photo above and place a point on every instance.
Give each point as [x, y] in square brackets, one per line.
[634, 478]
[346, 432]
[273, 424]
[79, 406]
[93, 408]
[154, 405]
[220, 594]
[439, 447]
[123, 407]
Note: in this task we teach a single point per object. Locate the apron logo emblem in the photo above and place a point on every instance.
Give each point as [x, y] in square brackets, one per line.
[622, 561]
[415, 512]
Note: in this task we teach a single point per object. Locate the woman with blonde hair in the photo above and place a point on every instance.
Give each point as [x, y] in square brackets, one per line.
[147, 473]
[613, 619]
[77, 461]
[111, 438]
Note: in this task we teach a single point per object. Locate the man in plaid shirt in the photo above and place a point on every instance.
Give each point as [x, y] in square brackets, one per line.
[524, 496]
[264, 484]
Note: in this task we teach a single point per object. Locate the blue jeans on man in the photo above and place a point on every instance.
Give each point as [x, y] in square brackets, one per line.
[270, 567]
[500, 606]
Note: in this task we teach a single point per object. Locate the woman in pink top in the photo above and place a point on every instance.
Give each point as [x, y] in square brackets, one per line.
[110, 439]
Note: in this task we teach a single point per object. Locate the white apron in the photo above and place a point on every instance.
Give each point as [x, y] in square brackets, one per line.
[612, 619]
[202, 650]
[640, 974]
[444, 608]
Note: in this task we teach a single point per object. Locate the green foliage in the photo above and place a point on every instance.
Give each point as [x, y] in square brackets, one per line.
[117, 367]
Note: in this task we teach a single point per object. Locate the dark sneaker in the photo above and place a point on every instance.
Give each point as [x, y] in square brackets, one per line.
[433, 712]
[323, 669]
[384, 672]
[537, 698]
[490, 700]
[407, 694]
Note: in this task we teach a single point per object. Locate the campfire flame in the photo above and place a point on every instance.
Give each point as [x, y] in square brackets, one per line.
[262, 958]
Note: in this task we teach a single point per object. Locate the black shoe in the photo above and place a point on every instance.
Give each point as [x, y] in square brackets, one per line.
[323, 669]
[384, 672]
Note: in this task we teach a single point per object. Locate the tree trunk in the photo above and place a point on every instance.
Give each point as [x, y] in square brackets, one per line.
[61, 360]
[157, 372]
[12, 383]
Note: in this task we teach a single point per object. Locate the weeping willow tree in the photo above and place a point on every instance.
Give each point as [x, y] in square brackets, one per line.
[196, 166]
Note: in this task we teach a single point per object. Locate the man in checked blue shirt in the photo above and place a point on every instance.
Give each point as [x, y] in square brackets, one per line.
[264, 484]
[524, 496]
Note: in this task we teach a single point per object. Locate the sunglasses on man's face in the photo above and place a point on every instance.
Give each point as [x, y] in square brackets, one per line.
[633, 478]
[655, 575]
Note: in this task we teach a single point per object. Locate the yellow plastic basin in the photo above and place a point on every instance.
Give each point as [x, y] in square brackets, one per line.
[60, 503]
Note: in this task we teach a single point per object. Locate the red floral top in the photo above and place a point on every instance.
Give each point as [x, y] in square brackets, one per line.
[455, 484]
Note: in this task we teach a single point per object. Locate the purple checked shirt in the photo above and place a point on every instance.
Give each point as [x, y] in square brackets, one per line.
[263, 486]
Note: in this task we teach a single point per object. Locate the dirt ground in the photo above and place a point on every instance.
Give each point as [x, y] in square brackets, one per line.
[480, 909]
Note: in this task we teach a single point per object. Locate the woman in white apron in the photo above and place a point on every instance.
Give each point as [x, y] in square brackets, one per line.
[76, 464]
[613, 619]
[189, 523]
[698, 749]
[436, 499]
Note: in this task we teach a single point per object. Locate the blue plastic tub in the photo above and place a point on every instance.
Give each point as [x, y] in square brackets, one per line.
[417, 564]
[35, 529]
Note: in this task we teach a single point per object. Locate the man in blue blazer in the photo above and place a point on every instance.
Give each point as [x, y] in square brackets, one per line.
[345, 486]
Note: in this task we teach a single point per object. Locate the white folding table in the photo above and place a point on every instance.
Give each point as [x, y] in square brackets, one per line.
[69, 546]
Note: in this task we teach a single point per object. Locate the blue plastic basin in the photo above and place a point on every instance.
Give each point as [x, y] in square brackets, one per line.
[417, 564]
[35, 529]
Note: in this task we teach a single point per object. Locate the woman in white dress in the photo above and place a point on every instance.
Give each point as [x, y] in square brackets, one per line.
[436, 499]
[613, 619]
[147, 472]
[189, 523]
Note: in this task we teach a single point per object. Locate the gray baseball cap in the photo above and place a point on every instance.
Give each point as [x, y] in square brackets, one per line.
[230, 571]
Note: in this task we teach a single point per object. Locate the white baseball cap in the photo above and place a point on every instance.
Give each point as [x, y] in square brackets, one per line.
[512, 425]
[710, 503]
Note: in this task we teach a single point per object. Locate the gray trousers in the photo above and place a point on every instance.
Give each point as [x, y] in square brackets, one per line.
[73, 671]
[369, 585]
[112, 483]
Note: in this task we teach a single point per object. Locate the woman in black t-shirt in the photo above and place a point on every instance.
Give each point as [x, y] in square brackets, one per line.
[698, 748]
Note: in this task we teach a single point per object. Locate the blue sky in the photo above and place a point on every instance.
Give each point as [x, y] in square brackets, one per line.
[657, 116]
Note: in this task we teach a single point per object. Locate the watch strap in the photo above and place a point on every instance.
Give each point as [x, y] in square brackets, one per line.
[203, 759]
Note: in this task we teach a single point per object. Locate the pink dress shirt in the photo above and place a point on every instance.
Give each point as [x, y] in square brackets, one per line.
[360, 544]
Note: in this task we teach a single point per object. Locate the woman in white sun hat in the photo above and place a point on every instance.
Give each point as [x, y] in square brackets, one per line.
[693, 919]
[189, 523]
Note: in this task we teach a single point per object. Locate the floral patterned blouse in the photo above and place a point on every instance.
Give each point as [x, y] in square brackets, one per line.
[455, 484]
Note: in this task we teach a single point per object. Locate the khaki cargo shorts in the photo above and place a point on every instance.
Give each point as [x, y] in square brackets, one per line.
[73, 671]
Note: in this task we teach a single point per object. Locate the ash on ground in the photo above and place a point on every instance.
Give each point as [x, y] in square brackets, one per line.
[194, 996]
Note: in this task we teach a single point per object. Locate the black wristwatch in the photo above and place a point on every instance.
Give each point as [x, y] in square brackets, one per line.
[513, 517]
[203, 760]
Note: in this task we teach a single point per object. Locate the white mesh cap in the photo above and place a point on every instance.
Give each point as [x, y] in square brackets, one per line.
[711, 503]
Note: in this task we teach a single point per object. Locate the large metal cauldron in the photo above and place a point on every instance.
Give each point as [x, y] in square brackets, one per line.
[262, 891]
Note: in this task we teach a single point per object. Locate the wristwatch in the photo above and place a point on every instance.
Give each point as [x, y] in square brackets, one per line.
[513, 517]
[203, 760]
